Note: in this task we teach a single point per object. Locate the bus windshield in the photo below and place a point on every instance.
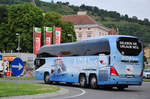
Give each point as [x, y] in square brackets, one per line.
[129, 46]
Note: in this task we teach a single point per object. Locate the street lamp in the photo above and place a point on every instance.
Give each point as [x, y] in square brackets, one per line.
[70, 36]
[18, 49]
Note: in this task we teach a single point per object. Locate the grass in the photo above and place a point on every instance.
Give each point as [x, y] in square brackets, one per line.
[10, 89]
[146, 80]
[18, 78]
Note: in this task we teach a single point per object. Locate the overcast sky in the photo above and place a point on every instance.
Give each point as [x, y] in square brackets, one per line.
[139, 8]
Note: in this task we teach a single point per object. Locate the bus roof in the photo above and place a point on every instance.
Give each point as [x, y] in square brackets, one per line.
[90, 46]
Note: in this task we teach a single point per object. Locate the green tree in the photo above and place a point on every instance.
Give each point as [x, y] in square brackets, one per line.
[52, 19]
[146, 21]
[21, 19]
[3, 14]
[68, 29]
[5, 35]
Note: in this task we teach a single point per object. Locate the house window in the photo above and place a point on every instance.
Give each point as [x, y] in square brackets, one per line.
[103, 34]
[88, 28]
[89, 34]
[99, 33]
[80, 35]
[79, 28]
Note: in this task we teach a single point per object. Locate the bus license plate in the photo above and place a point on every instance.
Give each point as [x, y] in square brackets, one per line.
[129, 76]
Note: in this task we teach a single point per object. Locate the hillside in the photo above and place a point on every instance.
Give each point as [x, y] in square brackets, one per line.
[125, 24]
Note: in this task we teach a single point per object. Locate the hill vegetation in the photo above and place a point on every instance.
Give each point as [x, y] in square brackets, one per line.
[112, 19]
[19, 16]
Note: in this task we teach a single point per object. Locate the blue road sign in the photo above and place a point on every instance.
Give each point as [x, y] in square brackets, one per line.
[1, 57]
[17, 66]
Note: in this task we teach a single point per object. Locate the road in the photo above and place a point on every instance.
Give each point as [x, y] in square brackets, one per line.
[75, 92]
[133, 92]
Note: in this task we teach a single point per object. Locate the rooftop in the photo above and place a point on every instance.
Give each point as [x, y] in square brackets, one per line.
[79, 19]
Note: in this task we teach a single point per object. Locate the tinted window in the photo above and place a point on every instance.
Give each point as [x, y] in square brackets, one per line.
[38, 63]
[98, 47]
[84, 48]
[129, 46]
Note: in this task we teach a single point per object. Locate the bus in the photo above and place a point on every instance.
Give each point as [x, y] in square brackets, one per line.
[114, 61]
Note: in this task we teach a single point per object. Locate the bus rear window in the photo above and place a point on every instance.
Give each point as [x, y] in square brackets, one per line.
[129, 46]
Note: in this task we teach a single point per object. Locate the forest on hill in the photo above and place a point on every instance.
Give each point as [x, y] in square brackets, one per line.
[112, 19]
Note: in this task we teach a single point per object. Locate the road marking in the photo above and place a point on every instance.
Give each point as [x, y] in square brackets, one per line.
[83, 92]
[18, 66]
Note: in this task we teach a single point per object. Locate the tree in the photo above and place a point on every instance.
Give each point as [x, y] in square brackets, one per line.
[146, 21]
[21, 19]
[134, 19]
[52, 19]
[3, 14]
[68, 28]
[5, 34]
[125, 17]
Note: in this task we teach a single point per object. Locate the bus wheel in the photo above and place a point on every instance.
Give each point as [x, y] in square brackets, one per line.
[121, 87]
[47, 78]
[93, 81]
[68, 83]
[82, 81]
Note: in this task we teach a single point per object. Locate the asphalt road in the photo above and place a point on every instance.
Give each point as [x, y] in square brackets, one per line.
[75, 92]
[133, 92]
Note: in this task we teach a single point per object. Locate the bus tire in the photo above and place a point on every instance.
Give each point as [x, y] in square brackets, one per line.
[93, 82]
[122, 87]
[82, 80]
[69, 83]
[47, 78]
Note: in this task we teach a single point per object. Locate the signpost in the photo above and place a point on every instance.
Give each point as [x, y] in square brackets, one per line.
[17, 67]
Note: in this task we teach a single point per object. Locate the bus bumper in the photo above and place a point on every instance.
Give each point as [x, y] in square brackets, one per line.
[122, 81]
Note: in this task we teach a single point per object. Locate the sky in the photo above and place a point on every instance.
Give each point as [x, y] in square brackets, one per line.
[139, 8]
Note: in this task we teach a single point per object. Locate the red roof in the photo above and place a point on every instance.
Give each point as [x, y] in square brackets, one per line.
[79, 19]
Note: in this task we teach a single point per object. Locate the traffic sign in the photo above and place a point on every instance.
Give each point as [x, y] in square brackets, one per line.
[17, 66]
[1, 57]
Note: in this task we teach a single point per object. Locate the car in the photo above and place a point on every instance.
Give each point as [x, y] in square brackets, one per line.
[146, 73]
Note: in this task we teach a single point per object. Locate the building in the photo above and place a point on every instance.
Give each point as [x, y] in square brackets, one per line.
[147, 55]
[86, 27]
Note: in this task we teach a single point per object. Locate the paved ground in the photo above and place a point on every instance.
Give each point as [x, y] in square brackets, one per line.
[133, 92]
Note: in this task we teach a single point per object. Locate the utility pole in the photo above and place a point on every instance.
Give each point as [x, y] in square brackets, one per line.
[18, 34]
[70, 35]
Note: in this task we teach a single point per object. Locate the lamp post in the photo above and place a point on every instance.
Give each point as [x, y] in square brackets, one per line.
[70, 36]
[18, 34]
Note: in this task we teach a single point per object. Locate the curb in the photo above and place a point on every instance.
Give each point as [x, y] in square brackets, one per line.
[62, 91]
